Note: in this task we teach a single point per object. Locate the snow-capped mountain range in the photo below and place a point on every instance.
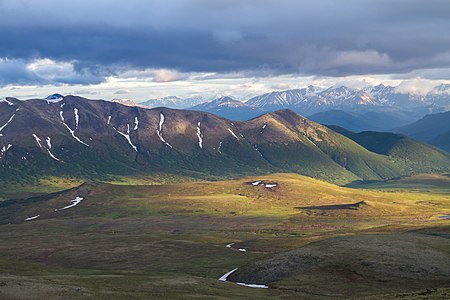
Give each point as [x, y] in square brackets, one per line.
[308, 101]
[312, 99]
[173, 102]
[127, 102]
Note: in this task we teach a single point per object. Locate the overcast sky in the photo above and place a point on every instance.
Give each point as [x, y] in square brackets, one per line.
[145, 49]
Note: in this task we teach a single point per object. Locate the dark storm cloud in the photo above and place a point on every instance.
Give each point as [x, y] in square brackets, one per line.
[321, 37]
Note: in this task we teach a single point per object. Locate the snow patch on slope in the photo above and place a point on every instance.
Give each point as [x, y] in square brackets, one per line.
[200, 136]
[235, 136]
[49, 145]
[52, 156]
[127, 136]
[4, 149]
[6, 101]
[77, 118]
[32, 218]
[72, 132]
[159, 130]
[38, 140]
[262, 128]
[49, 142]
[4, 126]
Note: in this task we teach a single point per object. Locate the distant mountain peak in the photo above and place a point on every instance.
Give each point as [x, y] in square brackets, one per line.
[127, 102]
[173, 102]
[228, 101]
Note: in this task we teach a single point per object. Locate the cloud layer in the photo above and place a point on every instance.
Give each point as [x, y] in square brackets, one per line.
[85, 42]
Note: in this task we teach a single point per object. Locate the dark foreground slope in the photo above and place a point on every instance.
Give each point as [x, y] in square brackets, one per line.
[356, 265]
[97, 139]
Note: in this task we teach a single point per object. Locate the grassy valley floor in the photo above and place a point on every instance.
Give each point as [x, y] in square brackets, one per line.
[169, 241]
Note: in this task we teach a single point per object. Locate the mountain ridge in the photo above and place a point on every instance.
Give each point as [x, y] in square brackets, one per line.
[312, 100]
[93, 138]
[433, 129]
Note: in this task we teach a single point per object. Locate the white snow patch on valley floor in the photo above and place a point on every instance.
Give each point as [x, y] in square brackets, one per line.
[32, 218]
[229, 245]
[266, 185]
[224, 277]
[252, 285]
[220, 146]
[159, 130]
[75, 202]
[242, 250]
[270, 185]
[109, 120]
[136, 123]
[200, 136]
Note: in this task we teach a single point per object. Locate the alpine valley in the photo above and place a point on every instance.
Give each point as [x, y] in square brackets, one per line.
[260, 150]
[113, 200]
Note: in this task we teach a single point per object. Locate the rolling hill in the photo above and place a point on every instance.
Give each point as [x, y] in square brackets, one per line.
[85, 138]
[303, 238]
[408, 152]
[433, 129]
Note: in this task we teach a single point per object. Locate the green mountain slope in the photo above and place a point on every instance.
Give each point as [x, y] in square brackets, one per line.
[433, 129]
[442, 141]
[84, 138]
[409, 154]
[325, 148]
